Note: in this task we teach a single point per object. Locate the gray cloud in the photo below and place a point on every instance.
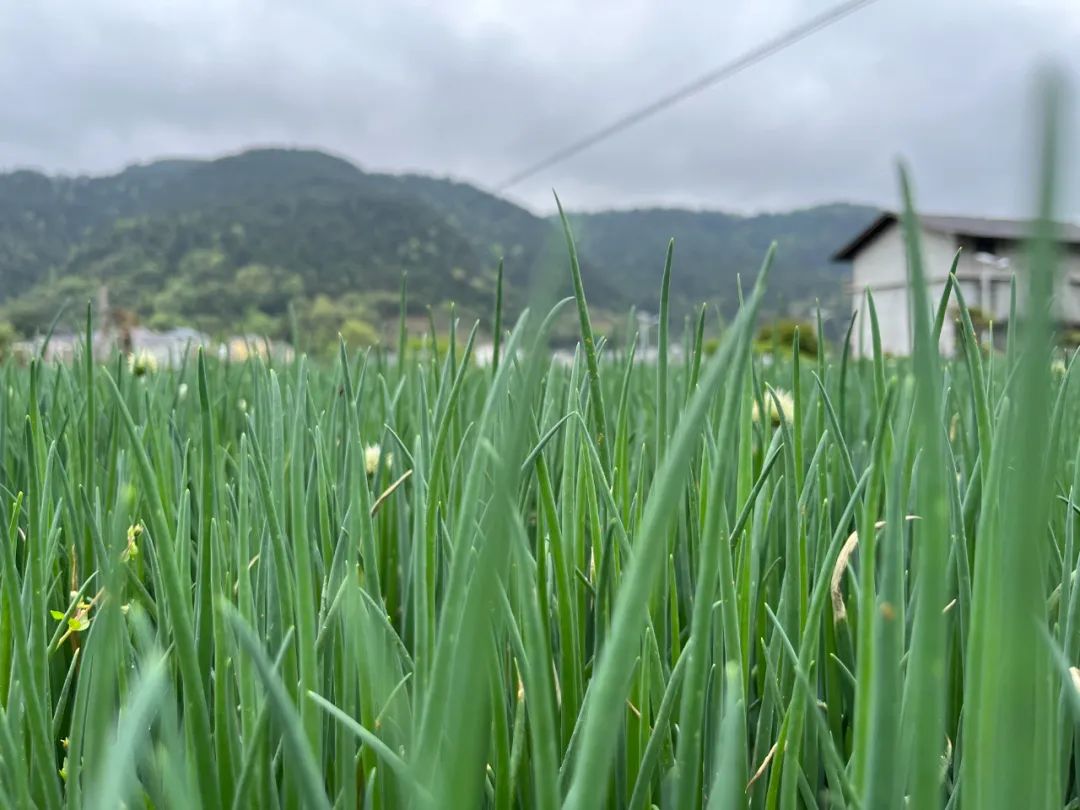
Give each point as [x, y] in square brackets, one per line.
[478, 88]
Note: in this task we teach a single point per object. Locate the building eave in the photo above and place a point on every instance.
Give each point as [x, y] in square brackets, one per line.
[1009, 230]
[866, 235]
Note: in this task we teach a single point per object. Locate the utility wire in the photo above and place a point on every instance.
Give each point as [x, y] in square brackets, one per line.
[737, 65]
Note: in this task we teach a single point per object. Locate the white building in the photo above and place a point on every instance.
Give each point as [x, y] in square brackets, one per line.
[991, 252]
[167, 348]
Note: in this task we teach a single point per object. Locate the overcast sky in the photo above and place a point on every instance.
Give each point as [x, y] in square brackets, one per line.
[477, 89]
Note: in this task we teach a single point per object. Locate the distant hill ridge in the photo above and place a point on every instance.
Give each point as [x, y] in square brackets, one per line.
[225, 244]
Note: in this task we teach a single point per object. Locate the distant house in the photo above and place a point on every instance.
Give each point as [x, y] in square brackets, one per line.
[61, 348]
[992, 252]
[243, 347]
[167, 348]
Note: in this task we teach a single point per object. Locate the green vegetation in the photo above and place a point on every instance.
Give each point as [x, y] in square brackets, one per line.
[780, 336]
[714, 247]
[226, 245]
[234, 585]
[7, 337]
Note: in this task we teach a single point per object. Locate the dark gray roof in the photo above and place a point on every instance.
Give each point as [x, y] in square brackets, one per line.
[1010, 229]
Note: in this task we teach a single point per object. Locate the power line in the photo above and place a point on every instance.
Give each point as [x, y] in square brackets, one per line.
[737, 65]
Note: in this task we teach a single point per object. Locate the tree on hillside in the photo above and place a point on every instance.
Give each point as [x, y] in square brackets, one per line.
[322, 319]
[778, 337]
[7, 338]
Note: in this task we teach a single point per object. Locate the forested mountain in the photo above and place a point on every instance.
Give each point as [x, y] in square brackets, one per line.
[713, 248]
[227, 244]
